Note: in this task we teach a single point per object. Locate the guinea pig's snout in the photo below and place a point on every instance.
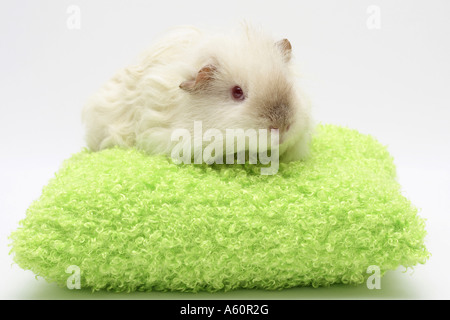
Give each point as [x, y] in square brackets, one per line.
[280, 118]
[281, 131]
[280, 128]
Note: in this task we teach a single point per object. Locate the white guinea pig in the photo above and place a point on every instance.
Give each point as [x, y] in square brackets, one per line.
[239, 80]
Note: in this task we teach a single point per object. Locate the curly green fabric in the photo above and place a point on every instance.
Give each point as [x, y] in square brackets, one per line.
[131, 221]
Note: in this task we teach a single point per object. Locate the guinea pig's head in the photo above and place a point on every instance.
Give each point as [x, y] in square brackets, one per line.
[247, 82]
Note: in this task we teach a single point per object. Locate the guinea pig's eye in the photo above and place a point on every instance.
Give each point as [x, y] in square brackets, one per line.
[237, 93]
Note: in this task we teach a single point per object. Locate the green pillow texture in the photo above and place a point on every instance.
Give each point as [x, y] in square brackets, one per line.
[133, 222]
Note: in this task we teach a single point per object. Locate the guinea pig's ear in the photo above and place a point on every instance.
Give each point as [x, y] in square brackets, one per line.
[285, 48]
[204, 76]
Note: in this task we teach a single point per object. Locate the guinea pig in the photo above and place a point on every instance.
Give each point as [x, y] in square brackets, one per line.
[243, 79]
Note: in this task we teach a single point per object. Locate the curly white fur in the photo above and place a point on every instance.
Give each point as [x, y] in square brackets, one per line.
[143, 103]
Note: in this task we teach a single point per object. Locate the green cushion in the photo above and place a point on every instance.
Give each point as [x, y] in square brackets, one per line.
[131, 221]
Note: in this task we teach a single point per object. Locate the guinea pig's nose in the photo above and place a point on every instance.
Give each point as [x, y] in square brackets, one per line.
[283, 128]
[273, 128]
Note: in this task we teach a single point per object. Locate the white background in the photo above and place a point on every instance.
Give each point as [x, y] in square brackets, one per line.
[391, 82]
